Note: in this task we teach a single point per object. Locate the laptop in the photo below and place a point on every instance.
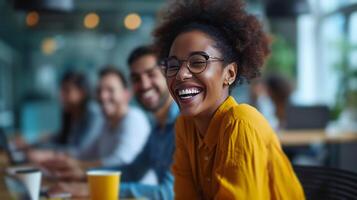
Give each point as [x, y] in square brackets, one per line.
[307, 117]
[15, 157]
[16, 188]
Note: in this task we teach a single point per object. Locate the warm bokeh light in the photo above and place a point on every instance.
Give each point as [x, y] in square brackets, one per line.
[132, 21]
[91, 20]
[32, 18]
[49, 46]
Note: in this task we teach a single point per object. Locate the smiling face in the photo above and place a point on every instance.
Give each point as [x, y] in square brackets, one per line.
[113, 96]
[199, 95]
[71, 96]
[149, 83]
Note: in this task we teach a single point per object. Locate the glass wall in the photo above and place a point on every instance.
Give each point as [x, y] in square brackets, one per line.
[326, 38]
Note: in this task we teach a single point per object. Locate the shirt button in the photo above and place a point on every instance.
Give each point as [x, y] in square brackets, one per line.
[206, 158]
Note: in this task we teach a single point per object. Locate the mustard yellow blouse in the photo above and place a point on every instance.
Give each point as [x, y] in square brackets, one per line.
[239, 157]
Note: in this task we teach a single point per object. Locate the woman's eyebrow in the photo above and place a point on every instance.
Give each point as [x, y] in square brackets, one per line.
[197, 52]
[190, 54]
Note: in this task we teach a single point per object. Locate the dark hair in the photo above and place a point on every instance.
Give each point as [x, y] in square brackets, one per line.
[80, 81]
[110, 69]
[77, 79]
[279, 87]
[238, 35]
[140, 51]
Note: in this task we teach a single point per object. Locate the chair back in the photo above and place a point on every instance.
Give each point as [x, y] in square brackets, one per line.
[327, 183]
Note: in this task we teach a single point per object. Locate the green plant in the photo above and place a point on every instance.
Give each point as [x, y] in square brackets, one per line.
[282, 59]
[347, 93]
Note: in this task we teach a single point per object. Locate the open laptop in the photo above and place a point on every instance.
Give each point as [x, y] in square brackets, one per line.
[15, 157]
[16, 188]
[307, 117]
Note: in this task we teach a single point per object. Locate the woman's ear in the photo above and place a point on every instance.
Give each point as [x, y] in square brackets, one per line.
[231, 71]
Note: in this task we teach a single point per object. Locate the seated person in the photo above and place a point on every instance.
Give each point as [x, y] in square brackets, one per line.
[152, 94]
[81, 120]
[122, 136]
[224, 150]
[271, 96]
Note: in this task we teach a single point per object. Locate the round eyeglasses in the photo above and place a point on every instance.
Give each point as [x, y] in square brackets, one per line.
[196, 63]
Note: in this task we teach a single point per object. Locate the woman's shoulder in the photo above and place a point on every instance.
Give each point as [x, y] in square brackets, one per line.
[245, 113]
[248, 121]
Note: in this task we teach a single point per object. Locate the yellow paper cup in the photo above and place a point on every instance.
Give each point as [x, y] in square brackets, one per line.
[103, 184]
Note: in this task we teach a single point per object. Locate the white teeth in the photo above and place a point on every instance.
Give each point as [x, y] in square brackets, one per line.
[188, 91]
[148, 94]
[187, 97]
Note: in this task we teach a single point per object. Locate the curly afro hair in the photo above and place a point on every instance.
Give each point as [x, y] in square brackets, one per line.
[238, 35]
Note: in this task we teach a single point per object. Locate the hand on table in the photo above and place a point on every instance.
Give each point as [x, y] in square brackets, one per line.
[64, 167]
[38, 156]
[76, 189]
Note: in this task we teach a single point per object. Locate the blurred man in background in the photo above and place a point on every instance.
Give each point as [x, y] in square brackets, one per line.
[151, 92]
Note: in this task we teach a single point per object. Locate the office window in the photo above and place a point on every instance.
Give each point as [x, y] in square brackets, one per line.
[332, 5]
[353, 41]
[320, 44]
[352, 56]
[329, 64]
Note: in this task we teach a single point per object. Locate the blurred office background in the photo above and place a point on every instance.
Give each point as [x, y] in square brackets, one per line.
[314, 48]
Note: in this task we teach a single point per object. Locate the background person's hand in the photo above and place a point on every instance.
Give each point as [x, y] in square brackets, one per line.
[64, 167]
[38, 156]
[76, 189]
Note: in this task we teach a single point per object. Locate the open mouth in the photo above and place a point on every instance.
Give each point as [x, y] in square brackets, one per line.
[187, 93]
[148, 94]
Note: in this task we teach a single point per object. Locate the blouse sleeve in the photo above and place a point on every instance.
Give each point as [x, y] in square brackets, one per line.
[284, 183]
[243, 170]
[184, 187]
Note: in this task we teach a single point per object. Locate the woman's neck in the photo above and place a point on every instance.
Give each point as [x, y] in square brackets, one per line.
[202, 124]
[203, 120]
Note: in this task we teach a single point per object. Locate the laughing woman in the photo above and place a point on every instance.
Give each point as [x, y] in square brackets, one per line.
[224, 150]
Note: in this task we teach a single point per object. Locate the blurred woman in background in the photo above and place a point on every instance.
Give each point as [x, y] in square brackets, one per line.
[81, 119]
[271, 96]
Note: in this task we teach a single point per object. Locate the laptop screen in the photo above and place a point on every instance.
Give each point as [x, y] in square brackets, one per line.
[14, 156]
[4, 144]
